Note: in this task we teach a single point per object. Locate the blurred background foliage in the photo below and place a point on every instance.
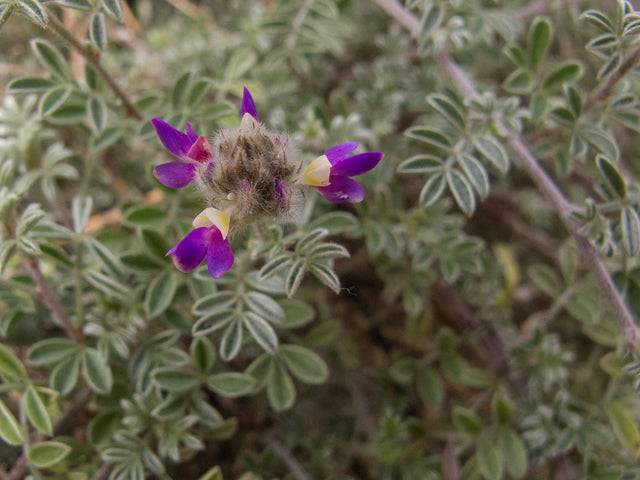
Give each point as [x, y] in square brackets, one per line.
[466, 338]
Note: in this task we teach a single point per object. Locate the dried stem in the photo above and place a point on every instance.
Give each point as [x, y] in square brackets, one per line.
[103, 472]
[544, 183]
[93, 58]
[49, 298]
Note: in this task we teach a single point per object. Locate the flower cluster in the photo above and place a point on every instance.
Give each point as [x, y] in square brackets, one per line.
[249, 174]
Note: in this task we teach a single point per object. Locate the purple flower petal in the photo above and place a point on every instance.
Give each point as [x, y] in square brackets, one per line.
[189, 252]
[191, 133]
[175, 174]
[356, 164]
[281, 191]
[174, 140]
[248, 105]
[200, 151]
[342, 189]
[219, 254]
[338, 152]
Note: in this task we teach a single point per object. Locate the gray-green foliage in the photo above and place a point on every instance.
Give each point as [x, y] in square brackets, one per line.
[443, 325]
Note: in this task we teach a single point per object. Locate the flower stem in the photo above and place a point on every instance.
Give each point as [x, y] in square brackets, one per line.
[93, 58]
[544, 183]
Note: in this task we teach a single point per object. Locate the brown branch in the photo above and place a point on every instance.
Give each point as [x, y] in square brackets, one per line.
[19, 468]
[48, 297]
[103, 472]
[537, 174]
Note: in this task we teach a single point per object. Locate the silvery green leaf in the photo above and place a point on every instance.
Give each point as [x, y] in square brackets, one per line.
[203, 353]
[275, 265]
[29, 246]
[36, 411]
[476, 174]
[295, 275]
[52, 100]
[280, 389]
[98, 30]
[326, 275]
[51, 59]
[424, 163]
[432, 190]
[34, 10]
[175, 380]
[29, 85]
[602, 140]
[328, 250]
[519, 81]
[64, 376]
[215, 302]
[304, 364]
[310, 239]
[106, 257]
[462, 192]
[80, 211]
[539, 39]
[29, 219]
[83, 5]
[231, 384]
[212, 322]
[564, 73]
[493, 151]
[231, 340]
[630, 226]
[51, 351]
[160, 293]
[10, 430]
[336, 222]
[98, 113]
[297, 313]
[96, 371]
[113, 8]
[181, 90]
[47, 454]
[598, 19]
[430, 137]
[261, 331]
[448, 109]
[5, 13]
[265, 306]
[612, 177]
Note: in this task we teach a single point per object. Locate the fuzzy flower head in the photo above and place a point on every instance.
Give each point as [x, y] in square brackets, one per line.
[249, 174]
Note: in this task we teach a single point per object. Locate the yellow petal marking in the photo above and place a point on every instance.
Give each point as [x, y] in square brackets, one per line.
[317, 172]
[213, 216]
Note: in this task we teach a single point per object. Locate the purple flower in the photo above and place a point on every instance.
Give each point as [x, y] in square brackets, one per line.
[331, 173]
[192, 150]
[208, 240]
[248, 105]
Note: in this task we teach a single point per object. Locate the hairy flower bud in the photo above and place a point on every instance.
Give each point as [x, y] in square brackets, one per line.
[253, 175]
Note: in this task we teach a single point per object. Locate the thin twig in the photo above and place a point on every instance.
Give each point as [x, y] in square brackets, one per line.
[544, 183]
[285, 455]
[103, 472]
[605, 90]
[93, 58]
[48, 297]
[19, 468]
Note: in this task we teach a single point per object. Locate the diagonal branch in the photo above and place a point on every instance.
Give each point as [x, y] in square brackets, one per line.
[537, 174]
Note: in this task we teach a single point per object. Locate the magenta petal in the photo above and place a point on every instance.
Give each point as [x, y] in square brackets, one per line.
[248, 105]
[200, 151]
[189, 252]
[175, 174]
[356, 164]
[338, 152]
[219, 254]
[342, 189]
[191, 133]
[281, 191]
[174, 140]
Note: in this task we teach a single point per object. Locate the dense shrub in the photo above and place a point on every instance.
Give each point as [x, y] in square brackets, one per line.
[465, 309]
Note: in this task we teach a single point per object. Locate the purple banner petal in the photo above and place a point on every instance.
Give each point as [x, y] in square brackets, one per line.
[338, 152]
[189, 252]
[357, 164]
[219, 254]
[342, 189]
[175, 174]
[174, 140]
[248, 105]
[191, 133]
